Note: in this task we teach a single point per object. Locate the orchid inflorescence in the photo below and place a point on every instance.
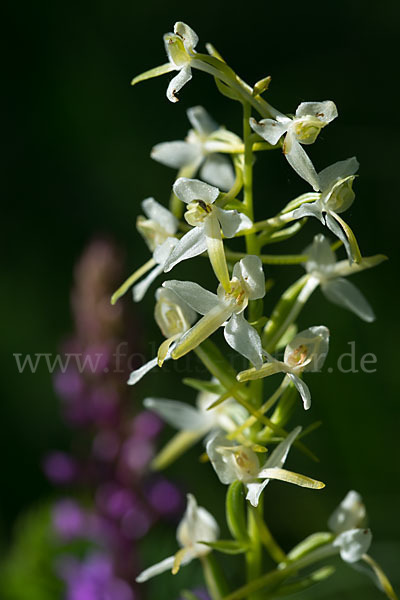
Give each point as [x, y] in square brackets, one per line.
[244, 433]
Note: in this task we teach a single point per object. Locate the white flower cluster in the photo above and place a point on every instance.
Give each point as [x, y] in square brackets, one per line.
[231, 414]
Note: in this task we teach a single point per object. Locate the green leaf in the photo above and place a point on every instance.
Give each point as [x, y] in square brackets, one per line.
[227, 546]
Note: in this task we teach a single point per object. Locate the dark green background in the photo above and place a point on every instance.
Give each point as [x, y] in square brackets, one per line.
[77, 158]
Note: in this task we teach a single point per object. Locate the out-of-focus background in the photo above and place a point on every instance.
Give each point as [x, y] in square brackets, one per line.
[78, 165]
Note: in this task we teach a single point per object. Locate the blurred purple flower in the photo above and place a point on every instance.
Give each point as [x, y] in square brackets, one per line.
[93, 579]
[147, 425]
[60, 467]
[69, 385]
[69, 520]
[165, 498]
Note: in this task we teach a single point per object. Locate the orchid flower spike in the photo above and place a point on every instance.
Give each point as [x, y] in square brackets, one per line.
[158, 231]
[197, 526]
[174, 317]
[303, 128]
[306, 352]
[325, 271]
[348, 522]
[199, 151]
[207, 221]
[337, 195]
[234, 462]
[180, 47]
[224, 308]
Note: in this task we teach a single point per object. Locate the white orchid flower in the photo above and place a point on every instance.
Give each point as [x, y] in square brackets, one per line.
[197, 526]
[234, 462]
[224, 308]
[180, 47]
[329, 274]
[303, 128]
[348, 522]
[337, 195]
[199, 151]
[158, 231]
[306, 352]
[207, 221]
[174, 317]
[159, 225]
[226, 416]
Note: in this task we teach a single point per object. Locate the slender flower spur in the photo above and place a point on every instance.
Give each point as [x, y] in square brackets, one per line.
[207, 220]
[199, 151]
[174, 317]
[329, 274]
[306, 352]
[303, 128]
[225, 308]
[234, 462]
[337, 195]
[197, 526]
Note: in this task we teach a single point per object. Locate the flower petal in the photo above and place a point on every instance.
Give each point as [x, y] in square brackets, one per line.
[161, 215]
[334, 226]
[184, 75]
[155, 72]
[190, 37]
[345, 294]
[201, 300]
[254, 491]
[193, 243]
[270, 130]
[250, 272]
[326, 111]
[320, 255]
[176, 154]
[201, 121]
[353, 543]
[291, 477]
[189, 190]
[196, 526]
[216, 252]
[279, 455]
[157, 569]
[303, 390]
[350, 513]
[178, 414]
[140, 289]
[136, 375]
[202, 329]
[218, 171]
[232, 221]
[243, 338]
[299, 160]
[222, 463]
[309, 209]
[339, 170]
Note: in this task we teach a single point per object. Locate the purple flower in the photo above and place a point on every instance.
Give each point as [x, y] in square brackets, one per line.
[69, 520]
[165, 497]
[60, 467]
[93, 579]
[147, 425]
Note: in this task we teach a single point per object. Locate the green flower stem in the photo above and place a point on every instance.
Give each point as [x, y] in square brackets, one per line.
[254, 554]
[273, 548]
[271, 259]
[303, 584]
[273, 579]
[216, 583]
